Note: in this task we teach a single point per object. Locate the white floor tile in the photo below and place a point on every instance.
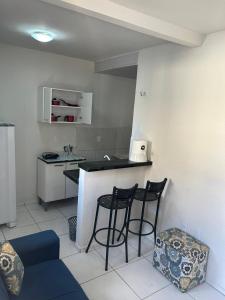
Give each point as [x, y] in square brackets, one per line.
[36, 205]
[32, 205]
[117, 255]
[206, 292]
[149, 257]
[85, 266]
[143, 278]
[68, 209]
[40, 215]
[12, 233]
[94, 246]
[60, 226]
[147, 244]
[23, 216]
[20, 204]
[169, 293]
[108, 287]
[2, 239]
[67, 247]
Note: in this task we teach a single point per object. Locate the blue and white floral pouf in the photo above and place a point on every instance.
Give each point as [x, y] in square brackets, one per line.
[181, 258]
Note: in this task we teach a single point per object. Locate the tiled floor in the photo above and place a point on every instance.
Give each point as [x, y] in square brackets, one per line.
[33, 218]
[133, 281]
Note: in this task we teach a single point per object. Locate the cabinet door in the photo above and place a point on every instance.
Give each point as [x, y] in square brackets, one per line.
[71, 187]
[86, 108]
[55, 182]
[44, 104]
[47, 96]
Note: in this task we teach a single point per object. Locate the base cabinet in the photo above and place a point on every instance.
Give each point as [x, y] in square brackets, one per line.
[52, 184]
[71, 187]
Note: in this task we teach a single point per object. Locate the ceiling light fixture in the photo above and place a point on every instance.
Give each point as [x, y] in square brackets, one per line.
[42, 36]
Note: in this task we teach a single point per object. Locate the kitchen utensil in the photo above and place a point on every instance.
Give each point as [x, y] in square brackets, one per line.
[50, 155]
[55, 101]
[54, 118]
[69, 118]
[70, 148]
[69, 104]
[139, 151]
[66, 149]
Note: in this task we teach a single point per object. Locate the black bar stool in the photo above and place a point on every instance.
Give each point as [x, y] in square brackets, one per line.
[152, 192]
[119, 199]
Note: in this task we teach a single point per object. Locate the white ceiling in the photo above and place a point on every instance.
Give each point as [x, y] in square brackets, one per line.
[129, 72]
[77, 35]
[205, 16]
[92, 38]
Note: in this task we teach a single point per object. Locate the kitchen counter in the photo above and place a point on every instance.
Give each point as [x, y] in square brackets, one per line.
[6, 124]
[62, 158]
[72, 175]
[93, 166]
[121, 173]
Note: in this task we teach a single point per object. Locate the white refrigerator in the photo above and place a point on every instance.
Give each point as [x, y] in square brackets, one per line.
[7, 175]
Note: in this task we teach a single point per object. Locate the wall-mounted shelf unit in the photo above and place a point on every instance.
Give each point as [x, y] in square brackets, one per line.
[80, 109]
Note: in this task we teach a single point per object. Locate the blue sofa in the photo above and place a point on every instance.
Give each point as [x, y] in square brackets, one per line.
[45, 277]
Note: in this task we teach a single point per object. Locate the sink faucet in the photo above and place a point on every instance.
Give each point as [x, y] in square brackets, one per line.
[107, 157]
[68, 149]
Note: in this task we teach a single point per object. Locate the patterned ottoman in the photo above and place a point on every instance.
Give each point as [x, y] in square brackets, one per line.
[181, 258]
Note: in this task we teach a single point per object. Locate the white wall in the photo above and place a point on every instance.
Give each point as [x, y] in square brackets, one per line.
[114, 99]
[22, 71]
[112, 120]
[183, 115]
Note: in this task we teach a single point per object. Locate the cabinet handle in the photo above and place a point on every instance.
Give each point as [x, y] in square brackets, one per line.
[72, 164]
[58, 165]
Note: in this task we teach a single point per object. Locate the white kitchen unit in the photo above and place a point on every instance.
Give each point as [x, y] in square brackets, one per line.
[81, 108]
[7, 175]
[91, 187]
[52, 184]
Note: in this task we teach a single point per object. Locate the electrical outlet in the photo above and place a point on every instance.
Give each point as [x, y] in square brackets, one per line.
[98, 138]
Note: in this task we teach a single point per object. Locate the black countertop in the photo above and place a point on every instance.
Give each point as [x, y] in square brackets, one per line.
[6, 124]
[73, 175]
[62, 159]
[111, 164]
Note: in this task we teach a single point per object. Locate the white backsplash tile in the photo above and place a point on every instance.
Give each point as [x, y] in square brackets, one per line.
[123, 135]
[86, 138]
[94, 143]
[108, 138]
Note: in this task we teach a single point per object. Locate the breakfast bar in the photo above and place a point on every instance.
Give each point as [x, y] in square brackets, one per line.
[98, 178]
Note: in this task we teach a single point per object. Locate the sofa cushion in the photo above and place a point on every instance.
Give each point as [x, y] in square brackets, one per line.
[11, 268]
[49, 280]
[78, 295]
[3, 292]
[37, 248]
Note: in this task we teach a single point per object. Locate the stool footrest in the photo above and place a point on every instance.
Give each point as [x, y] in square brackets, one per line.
[110, 245]
[144, 221]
